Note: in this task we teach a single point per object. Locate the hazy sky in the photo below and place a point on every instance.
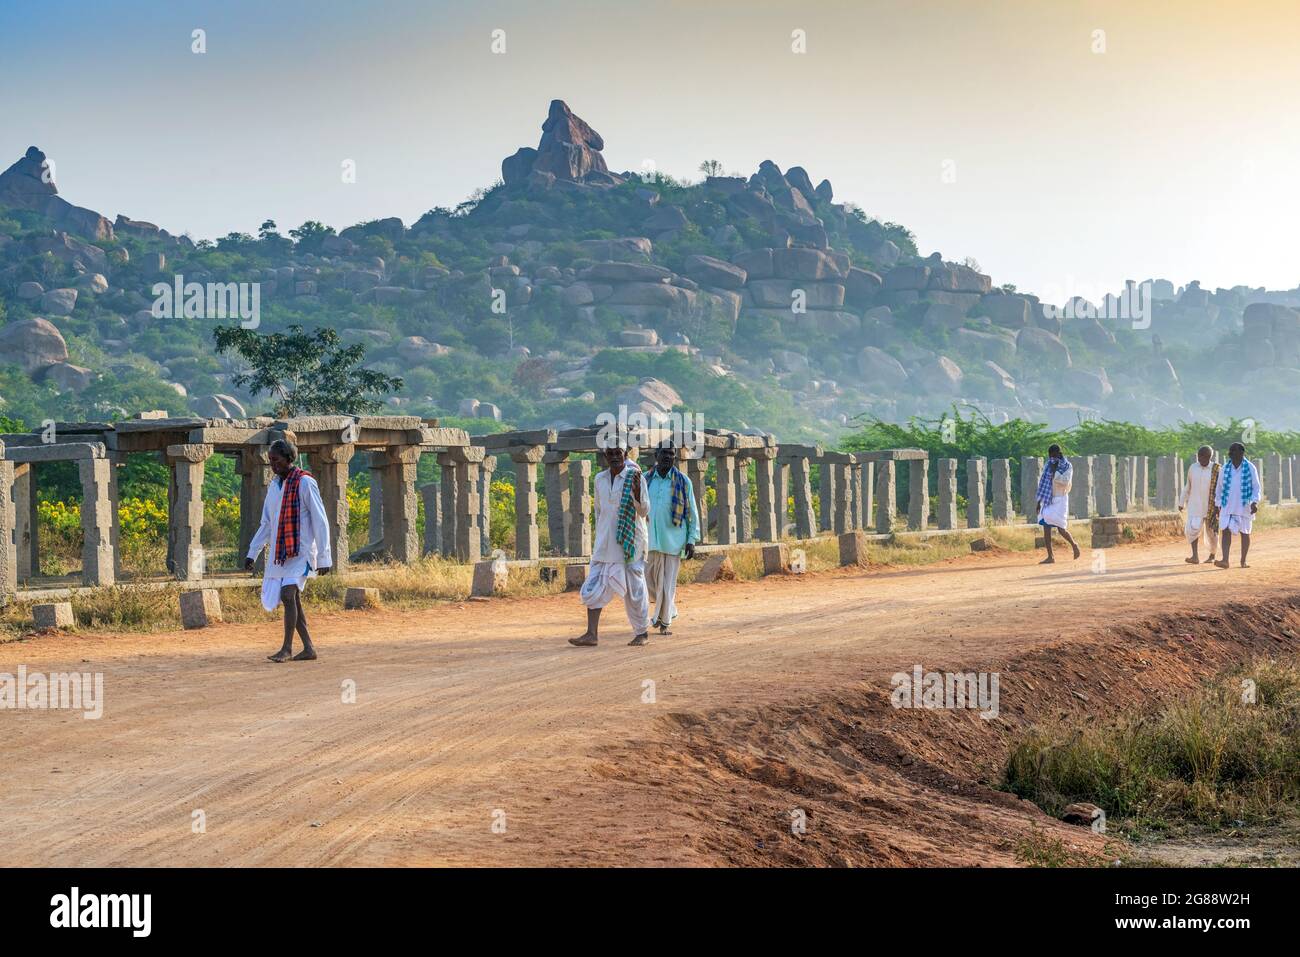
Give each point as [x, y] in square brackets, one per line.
[1173, 153]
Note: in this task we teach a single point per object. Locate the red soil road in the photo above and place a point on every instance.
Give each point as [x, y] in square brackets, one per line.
[465, 713]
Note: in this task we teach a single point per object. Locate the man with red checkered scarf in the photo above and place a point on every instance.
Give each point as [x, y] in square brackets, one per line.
[297, 530]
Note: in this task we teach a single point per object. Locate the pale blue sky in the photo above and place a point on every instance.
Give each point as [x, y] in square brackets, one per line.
[1170, 154]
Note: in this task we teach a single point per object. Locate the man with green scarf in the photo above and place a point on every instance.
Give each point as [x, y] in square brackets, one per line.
[617, 567]
[674, 531]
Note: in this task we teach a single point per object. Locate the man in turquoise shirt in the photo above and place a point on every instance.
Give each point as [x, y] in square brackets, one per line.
[674, 529]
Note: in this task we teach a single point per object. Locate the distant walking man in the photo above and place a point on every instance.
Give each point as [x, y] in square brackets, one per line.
[1054, 501]
[1237, 493]
[1198, 499]
[295, 526]
[674, 530]
[617, 567]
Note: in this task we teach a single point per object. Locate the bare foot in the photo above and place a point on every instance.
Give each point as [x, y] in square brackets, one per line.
[307, 654]
[1221, 564]
[1192, 561]
[1208, 561]
[1076, 550]
[641, 639]
[280, 657]
[663, 629]
[584, 641]
[1048, 561]
[1244, 565]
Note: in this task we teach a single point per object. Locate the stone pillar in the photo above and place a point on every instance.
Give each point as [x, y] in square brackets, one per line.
[1081, 488]
[724, 488]
[8, 530]
[401, 510]
[580, 508]
[331, 473]
[826, 496]
[855, 488]
[782, 495]
[886, 482]
[27, 563]
[485, 471]
[555, 477]
[1141, 482]
[449, 494]
[766, 521]
[1166, 481]
[431, 495]
[744, 510]
[1273, 479]
[918, 493]
[1031, 467]
[527, 542]
[1104, 467]
[805, 522]
[376, 498]
[254, 478]
[186, 513]
[976, 481]
[868, 477]
[97, 563]
[697, 470]
[469, 537]
[1000, 488]
[946, 509]
[842, 508]
[1123, 484]
[1288, 490]
[115, 522]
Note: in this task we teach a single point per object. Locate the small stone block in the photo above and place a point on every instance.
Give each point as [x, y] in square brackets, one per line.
[490, 579]
[55, 615]
[798, 561]
[717, 567]
[776, 559]
[355, 598]
[981, 544]
[574, 576]
[200, 608]
[853, 548]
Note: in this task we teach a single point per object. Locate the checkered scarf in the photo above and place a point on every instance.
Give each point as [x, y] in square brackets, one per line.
[286, 535]
[1045, 480]
[1247, 483]
[625, 532]
[679, 509]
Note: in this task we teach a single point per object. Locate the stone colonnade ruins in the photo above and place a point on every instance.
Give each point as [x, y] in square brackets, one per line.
[857, 491]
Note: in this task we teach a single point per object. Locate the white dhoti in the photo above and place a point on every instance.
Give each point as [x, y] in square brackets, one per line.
[607, 579]
[1241, 524]
[661, 578]
[1054, 512]
[1199, 530]
[271, 588]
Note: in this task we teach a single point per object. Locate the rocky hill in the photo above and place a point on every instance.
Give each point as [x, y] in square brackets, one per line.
[565, 288]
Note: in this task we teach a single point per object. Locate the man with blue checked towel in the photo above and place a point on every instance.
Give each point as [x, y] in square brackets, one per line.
[674, 531]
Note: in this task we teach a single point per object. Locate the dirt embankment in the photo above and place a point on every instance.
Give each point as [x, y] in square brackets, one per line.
[878, 785]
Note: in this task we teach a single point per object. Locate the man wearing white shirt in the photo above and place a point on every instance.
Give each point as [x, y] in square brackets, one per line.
[1237, 493]
[1198, 502]
[297, 530]
[618, 553]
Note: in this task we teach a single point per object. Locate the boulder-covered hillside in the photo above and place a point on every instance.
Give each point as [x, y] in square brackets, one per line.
[760, 302]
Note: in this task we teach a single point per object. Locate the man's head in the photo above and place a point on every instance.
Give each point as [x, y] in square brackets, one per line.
[1204, 454]
[1236, 452]
[282, 454]
[1054, 452]
[615, 456]
[665, 458]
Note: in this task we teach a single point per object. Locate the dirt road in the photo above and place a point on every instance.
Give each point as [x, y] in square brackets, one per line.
[479, 736]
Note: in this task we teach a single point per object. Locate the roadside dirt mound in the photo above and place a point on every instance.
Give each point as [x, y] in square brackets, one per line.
[876, 785]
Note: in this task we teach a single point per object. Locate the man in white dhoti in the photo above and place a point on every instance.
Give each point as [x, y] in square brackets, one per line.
[1197, 503]
[1054, 501]
[674, 530]
[295, 526]
[1237, 493]
[621, 503]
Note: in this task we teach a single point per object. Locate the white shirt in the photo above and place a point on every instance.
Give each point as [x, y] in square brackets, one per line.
[313, 531]
[1196, 493]
[606, 494]
[1236, 505]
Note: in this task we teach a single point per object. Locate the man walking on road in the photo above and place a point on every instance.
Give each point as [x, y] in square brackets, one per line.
[674, 531]
[1238, 496]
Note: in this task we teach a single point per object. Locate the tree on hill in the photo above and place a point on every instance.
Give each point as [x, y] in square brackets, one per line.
[711, 168]
[306, 373]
